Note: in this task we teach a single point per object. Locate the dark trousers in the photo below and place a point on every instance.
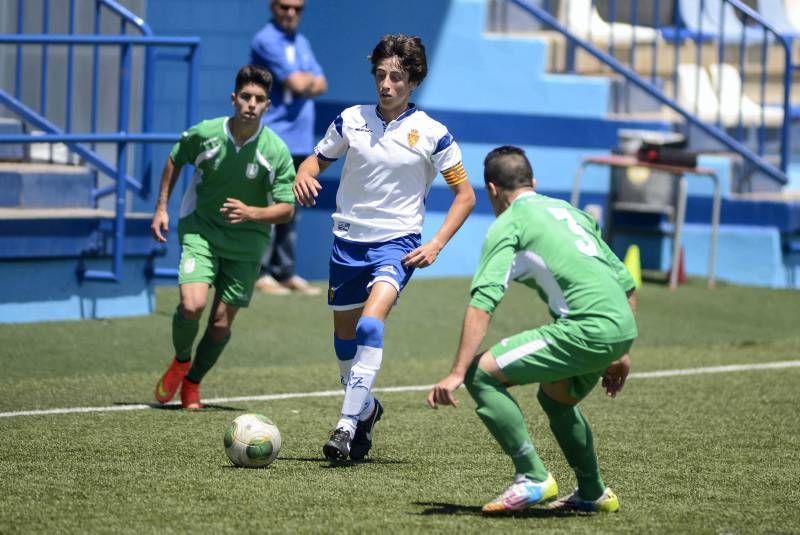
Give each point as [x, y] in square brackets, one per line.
[279, 260]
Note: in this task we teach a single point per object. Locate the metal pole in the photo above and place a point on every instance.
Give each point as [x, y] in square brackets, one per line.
[43, 76]
[787, 97]
[680, 214]
[18, 65]
[123, 117]
[147, 121]
[712, 255]
[95, 75]
[70, 62]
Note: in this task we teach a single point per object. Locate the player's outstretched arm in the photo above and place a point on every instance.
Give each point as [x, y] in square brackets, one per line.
[160, 222]
[476, 323]
[463, 203]
[235, 211]
[306, 184]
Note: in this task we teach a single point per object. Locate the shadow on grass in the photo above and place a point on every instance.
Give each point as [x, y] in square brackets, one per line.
[454, 509]
[246, 468]
[177, 407]
[349, 464]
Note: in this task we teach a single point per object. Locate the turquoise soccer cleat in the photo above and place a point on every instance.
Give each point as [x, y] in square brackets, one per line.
[523, 493]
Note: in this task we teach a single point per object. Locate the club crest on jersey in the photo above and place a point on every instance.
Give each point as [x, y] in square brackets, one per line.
[252, 170]
[210, 143]
[188, 265]
[413, 137]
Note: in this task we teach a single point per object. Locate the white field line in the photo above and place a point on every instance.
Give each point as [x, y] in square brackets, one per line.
[413, 388]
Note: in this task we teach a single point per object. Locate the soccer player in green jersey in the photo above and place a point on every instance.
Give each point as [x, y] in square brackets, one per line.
[224, 225]
[556, 250]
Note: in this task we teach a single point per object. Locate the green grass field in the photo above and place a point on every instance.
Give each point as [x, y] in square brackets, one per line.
[696, 453]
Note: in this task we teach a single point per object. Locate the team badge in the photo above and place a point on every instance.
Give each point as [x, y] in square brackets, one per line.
[188, 265]
[251, 171]
[413, 137]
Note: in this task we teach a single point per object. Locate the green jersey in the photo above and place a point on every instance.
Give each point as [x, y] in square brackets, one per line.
[255, 172]
[556, 249]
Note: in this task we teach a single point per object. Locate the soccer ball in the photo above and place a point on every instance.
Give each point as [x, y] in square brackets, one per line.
[252, 441]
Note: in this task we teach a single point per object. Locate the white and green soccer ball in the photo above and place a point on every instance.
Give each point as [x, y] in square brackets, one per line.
[252, 441]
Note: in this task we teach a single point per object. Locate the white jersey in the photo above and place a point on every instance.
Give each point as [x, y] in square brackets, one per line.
[388, 171]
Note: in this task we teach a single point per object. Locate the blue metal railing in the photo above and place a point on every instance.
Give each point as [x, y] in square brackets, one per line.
[755, 156]
[127, 17]
[122, 137]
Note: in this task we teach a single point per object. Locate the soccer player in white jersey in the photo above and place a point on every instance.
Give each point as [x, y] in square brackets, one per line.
[393, 152]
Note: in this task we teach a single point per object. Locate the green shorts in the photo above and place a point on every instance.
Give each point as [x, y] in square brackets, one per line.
[554, 352]
[233, 280]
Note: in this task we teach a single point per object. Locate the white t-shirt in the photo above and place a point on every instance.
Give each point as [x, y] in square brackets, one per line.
[388, 170]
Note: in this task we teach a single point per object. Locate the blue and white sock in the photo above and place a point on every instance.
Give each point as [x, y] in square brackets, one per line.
[345, 354]
[369, 354]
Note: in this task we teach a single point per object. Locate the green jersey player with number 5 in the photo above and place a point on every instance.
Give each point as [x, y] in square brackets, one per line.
[556, 250]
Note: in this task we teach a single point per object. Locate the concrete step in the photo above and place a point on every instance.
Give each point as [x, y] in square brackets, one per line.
[70, 232]
[665, 57]
[35, 185]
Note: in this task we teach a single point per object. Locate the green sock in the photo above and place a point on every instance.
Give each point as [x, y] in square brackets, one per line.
[183, 334]
[208, 351]
[574, 436]
[503, 417]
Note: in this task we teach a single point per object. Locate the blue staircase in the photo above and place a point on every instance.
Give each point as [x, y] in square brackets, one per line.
[68, 236]
[760, 214]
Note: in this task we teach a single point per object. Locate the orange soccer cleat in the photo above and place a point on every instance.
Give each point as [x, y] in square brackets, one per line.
[171, 380]
[190, 395]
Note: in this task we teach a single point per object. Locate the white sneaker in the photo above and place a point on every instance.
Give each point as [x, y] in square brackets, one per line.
[270, 286]
[298, 284]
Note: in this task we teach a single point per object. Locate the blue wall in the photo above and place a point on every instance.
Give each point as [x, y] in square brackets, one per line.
[488, 90]
[47, 289]
[481, 111]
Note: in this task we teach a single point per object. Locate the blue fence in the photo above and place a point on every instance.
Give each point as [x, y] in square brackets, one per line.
[725, 25]
[85, 144]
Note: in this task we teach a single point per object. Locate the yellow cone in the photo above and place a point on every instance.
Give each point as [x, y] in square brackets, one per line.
[634, 264]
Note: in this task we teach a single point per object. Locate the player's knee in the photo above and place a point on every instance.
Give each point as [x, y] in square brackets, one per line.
[219, 331]
[369, 332]
[559, 392]
[554, 408]
[191, 310]
[477, 379]
[488, 363]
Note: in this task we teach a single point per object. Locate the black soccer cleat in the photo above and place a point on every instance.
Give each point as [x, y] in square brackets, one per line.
[362, 441]
[337, 448]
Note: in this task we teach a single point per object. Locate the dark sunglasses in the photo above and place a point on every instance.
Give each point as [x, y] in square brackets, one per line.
[284, 7]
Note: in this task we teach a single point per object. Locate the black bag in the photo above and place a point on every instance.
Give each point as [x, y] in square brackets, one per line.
[667, 154]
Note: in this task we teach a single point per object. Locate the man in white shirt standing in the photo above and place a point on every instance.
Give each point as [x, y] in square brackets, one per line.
[393, 153]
